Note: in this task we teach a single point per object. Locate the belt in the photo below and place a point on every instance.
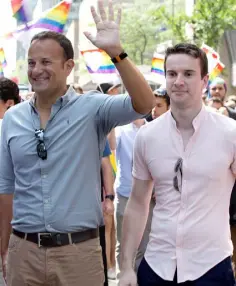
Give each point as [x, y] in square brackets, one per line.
[47, 239]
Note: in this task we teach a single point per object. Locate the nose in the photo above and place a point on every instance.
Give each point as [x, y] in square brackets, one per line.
[179, 80]
[36, 69]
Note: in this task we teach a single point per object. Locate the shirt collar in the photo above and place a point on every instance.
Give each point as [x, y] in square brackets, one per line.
[196, 121]
[69, 95]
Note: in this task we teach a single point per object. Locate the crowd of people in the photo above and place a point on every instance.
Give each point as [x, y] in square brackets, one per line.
[165, 216]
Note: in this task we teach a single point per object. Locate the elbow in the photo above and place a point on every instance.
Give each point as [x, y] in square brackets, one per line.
[144, 107]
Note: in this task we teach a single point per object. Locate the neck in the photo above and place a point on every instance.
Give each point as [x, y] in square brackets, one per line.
[46, 100]
[139, 122]
[184, 117]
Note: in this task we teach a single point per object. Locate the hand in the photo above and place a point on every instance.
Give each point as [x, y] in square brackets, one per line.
[128, 278]
[108, 30]
[4, 267]
[108, 207]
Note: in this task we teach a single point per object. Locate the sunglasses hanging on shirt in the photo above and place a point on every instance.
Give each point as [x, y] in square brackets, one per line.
[41, 147]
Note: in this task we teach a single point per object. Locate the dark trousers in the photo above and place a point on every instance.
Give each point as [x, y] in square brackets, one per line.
[220, 275]
[103, 246]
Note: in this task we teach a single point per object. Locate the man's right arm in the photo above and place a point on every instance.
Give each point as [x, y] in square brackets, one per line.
[136, 213]
[135, 219]
[7, 187]
[5, 221]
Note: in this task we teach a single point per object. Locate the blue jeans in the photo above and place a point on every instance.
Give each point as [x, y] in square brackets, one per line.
[219, 275]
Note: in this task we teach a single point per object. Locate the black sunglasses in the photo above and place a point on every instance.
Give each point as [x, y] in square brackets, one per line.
[178, 168]
[41, 148]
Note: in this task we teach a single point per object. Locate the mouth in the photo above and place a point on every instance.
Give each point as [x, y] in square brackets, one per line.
[40, 79]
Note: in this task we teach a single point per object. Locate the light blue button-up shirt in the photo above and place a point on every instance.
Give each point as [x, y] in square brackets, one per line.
[61, 193]
[125, 136]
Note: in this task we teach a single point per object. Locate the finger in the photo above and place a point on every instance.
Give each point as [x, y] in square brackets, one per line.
[111, 11]
[90, 37]
[102, 10]
[118, 19]
[96, 17]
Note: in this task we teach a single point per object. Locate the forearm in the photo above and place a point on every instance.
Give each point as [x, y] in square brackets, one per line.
[108, 179]
[137, 87]
[5, 221]
[134, 222]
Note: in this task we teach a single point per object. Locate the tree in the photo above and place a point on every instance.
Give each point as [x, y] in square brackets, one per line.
[210, 19]
[138, 32]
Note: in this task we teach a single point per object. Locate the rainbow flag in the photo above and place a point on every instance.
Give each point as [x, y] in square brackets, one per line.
[55, 18]
[216, 71]
[158, 64]
[98, 62]
[18, 10]
[3, 61]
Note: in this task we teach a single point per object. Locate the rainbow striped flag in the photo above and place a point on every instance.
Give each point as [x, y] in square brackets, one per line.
[19, 11]
[216, 71]
[55, 18]
[3, 61]
[98, 62]
[158, 64]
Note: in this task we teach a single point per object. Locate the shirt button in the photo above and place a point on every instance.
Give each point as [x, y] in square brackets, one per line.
[46, 201]
[44, 176]
[48, 225]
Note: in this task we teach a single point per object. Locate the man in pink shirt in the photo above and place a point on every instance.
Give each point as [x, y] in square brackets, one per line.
[189, 155]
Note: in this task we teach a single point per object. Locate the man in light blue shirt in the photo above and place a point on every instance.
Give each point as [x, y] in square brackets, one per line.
[51, 149]
[125, 137]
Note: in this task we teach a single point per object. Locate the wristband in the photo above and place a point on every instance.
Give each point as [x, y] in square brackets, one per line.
[119, 58]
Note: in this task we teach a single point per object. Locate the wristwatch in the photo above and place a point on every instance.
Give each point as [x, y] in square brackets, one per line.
[110, 197]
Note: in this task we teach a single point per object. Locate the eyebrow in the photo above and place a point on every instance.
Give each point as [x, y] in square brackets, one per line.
[192, 71]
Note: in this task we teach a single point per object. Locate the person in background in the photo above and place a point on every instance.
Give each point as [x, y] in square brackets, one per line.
[162, 104]
[231, 101]
[107, 234]
[218, 88]
[78, 88]
[108, 88]
[9, 95]
[215, 102]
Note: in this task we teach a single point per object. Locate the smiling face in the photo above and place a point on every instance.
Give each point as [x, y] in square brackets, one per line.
[183, 80]
[47, 67]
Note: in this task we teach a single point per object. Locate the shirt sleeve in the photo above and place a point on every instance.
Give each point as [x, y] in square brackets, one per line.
[140, 167]
[116, 110]
[107, 150]
[7, 176]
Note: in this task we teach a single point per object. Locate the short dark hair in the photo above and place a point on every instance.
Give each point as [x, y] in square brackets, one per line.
[191, 50]
[9, 90]
[162, 93]
[62, 40]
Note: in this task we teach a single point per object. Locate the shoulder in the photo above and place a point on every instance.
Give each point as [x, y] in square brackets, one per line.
[16, 110]
[151, 128]
[223, 124]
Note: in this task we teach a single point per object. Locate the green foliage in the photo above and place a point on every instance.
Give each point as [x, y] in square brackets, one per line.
[210, 19]
[138, 32]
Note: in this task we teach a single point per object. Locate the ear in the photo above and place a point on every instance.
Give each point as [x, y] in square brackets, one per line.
[205, 81]
[9, 103]
[69, 65]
